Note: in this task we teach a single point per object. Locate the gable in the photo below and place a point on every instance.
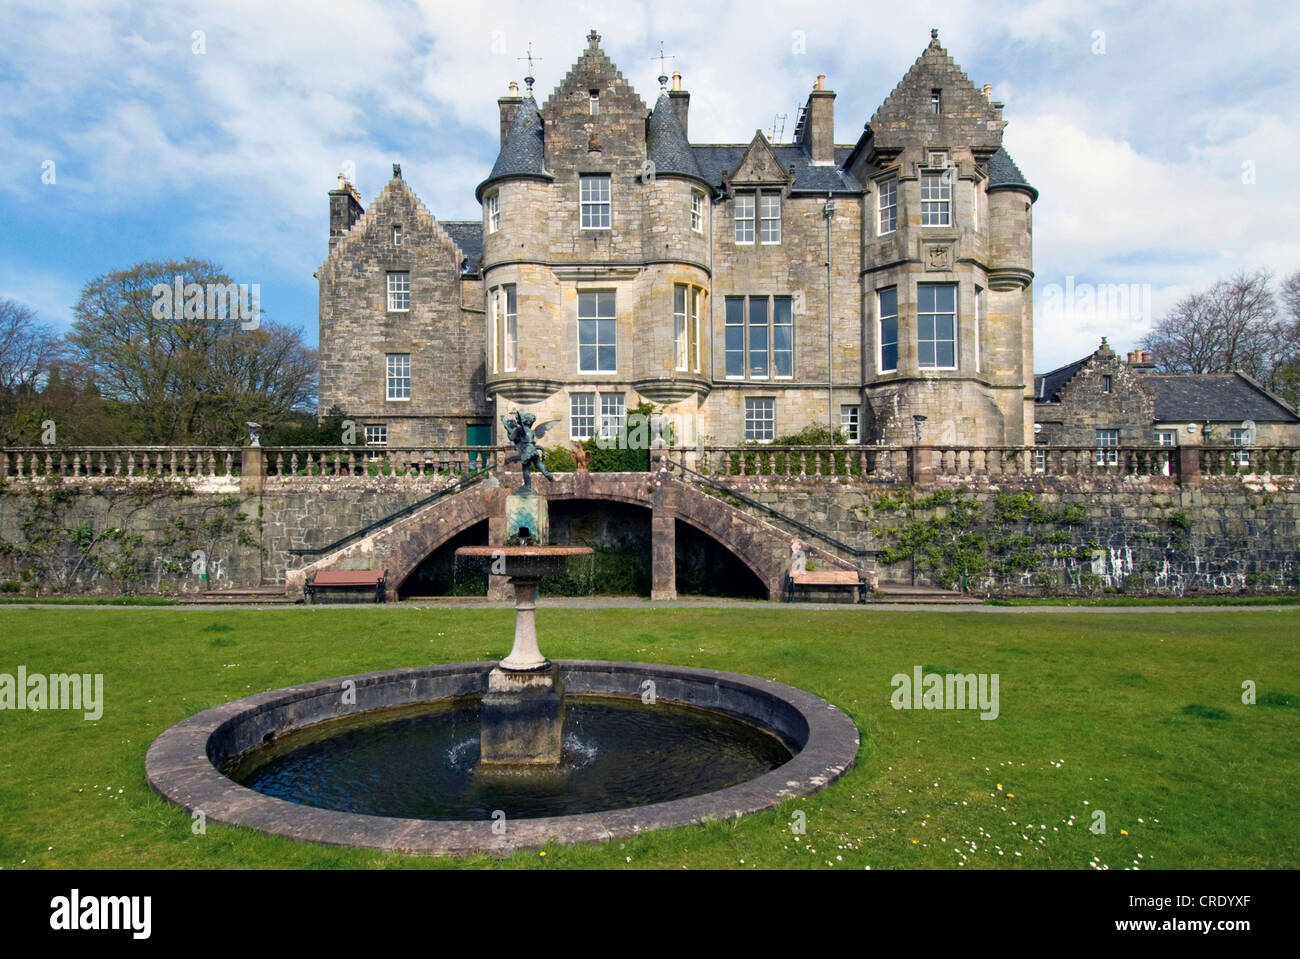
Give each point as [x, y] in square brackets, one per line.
[758, 165]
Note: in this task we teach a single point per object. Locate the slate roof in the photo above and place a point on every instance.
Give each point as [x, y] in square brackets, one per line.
[666, 143]
[716, 161]
[1004, 172]
[1195, 397]
[1047, 386]
[524, 152]
[468, 235]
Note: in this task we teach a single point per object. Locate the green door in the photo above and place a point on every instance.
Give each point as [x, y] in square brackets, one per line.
[478, 434]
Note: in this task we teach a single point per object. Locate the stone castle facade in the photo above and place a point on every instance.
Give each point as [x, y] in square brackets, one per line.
[748, 290]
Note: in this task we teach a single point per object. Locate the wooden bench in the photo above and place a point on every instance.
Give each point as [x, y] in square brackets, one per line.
[831, 582]
[346, 585]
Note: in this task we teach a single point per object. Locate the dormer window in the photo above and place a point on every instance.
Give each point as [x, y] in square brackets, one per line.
[744, 217]
[936, 97]
[594, 99]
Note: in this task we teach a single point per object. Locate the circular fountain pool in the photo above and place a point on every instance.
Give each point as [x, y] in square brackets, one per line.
[387, 760]
[421, 762]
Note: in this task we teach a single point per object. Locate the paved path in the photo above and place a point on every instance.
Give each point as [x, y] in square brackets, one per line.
[693, 602]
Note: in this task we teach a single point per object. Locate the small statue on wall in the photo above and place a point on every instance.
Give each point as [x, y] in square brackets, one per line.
[521, 431]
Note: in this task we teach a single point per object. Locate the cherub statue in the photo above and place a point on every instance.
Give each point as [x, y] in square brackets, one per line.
[521, 431]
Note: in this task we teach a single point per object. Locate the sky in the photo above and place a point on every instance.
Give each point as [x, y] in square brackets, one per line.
[1163, 138]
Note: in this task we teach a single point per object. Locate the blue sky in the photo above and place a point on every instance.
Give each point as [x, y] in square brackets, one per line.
[1163, 139]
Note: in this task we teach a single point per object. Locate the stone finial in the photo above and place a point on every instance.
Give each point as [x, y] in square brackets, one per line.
[934, 36]
[593, 39]
[397, 170]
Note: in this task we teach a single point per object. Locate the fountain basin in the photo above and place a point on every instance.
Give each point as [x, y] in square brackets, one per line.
[526, 562]
[184, 763]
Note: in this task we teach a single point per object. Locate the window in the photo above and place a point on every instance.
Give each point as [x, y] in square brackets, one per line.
[505, 329]
[936, 101]
[594, 100]
[376, 435]
[1240, 437]
[1166, 437]
[936, 326]
[744, 207]
[1105, 382]
[680, 326]
[399, 376]
[936, 199]
[595, 202]
[596, 332]
[399, 292]
[849, 418]
[769, 218]
[613, 414]
[782, 337]
[494, 212]
[1107, 447]
[760, 418]
[979, 307]
[582, 415]
[697, 211]
[888, 205]
[697, 311]
[888, 300]
[1040, 460]
[397, 236]
[759, 337]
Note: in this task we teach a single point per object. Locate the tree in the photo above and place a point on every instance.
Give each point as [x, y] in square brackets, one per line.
[1231, 326]
[1286, 375]
[163, 338]
[27, 348]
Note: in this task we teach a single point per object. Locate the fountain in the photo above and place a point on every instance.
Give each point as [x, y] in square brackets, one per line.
[472, 756]
[523, 710]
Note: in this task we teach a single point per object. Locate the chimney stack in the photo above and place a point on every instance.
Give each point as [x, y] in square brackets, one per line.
[817, 131]
[1140, 361]
[509, 104]
[681, 101]
[988, 92]
[345, 209]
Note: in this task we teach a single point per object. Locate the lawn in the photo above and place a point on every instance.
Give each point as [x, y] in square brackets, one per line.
[1135, 715]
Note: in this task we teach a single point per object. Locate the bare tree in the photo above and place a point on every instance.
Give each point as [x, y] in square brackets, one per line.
[27, 348]
[1231, 326]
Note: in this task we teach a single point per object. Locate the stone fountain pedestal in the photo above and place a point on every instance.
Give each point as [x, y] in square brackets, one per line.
[522, 714]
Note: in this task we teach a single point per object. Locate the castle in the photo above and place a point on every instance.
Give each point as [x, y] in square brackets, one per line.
[882, 288]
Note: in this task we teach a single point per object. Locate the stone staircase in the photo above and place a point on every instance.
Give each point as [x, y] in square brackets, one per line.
[269, 593]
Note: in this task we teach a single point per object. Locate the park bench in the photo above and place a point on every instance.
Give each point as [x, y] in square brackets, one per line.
[832, 583]
[347, 585]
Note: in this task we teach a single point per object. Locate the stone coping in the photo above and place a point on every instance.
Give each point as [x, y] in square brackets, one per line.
[183, 763]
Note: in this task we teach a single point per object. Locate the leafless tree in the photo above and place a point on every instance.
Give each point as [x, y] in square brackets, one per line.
[27, 348]
[1231, 326]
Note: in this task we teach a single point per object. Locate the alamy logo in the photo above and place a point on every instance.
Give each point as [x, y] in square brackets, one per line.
[56, 691]
[208, 301]
[70, 913]
[924, 690]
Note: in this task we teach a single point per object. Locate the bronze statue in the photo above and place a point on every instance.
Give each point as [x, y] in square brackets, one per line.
[521, 432]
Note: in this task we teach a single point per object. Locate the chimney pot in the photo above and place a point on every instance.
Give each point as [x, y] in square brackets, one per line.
[821, 82]
[988, 92]
[677, 80]
[514, 88]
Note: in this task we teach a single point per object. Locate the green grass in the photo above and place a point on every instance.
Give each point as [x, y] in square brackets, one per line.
[1134, 715]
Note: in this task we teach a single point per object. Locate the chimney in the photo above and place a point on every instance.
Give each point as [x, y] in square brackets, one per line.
[818, 127]
[988, 92]
[681, 101]
[509, 104]
[1140, 361]
[345, 209]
